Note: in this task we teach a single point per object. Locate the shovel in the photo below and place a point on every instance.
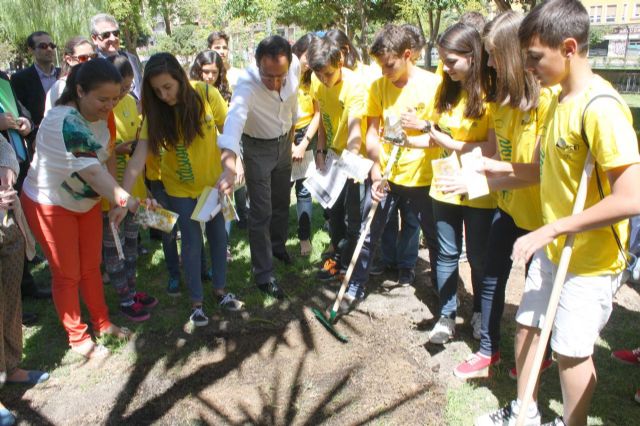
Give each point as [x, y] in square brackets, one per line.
[329, 319]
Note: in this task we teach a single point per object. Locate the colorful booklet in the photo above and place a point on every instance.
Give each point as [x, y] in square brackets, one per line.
[161, 219]
[208, 205]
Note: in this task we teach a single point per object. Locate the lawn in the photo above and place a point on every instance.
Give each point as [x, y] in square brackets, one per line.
[275, 365]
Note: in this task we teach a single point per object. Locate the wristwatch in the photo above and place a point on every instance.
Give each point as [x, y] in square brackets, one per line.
[321, 151]
[427, 127]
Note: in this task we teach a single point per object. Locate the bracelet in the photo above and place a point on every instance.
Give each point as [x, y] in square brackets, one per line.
[321, 151]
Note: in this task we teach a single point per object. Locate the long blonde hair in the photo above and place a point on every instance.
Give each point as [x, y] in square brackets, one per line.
[509, 83]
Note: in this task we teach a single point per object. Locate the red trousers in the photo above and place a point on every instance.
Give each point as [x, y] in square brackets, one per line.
[72, 243]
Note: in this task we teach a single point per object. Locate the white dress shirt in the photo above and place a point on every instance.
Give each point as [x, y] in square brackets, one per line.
[259, 112]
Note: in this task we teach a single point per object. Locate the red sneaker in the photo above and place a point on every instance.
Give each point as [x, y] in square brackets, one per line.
[476, 365]
[627, 356]
[546, 364]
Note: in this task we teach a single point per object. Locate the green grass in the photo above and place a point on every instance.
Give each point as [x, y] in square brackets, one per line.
[45, 344]
[633, 100]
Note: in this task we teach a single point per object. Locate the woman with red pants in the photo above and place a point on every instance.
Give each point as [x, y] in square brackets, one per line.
[61, 197]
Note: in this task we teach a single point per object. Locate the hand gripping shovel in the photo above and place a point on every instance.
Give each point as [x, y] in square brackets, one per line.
[327, 321]
[554, 299]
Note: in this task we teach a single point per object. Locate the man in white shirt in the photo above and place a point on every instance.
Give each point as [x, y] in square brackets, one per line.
[262, 114]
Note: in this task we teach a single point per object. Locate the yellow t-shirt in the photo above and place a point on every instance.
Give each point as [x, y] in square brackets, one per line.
[414, 165]
[127, 121]
[516, 134]
[613, 143]
[187, 170]
[152, 167]
[338, 103]
[468, 130]
[305, 107]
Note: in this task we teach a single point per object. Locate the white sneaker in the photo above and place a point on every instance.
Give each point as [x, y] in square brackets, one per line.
[506, 416]
[443, 331]
[476, 324]
[198, 318]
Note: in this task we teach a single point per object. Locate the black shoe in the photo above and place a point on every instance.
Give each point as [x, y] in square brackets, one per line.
[406, 277]
[273, 289]
[242, 224]
[155, 234]
[37, 259]
[30, 289]
[29, 318]
[283, 257]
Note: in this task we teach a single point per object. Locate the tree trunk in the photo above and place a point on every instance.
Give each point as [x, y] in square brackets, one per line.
[364, 46]
[503, 5]
[166, 17]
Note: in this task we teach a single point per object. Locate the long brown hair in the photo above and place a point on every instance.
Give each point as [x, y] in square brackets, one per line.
[208, 57]
[169, 125]
[510, 83]
[463, 40]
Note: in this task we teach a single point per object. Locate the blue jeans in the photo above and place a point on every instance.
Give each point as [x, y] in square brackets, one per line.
[417, 198]
[502, 236]
[192, 246]
[449, 221]
[400, 246]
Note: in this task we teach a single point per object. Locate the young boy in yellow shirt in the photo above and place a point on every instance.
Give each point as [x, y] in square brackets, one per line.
[407, 93]
[338, 94]
[555, 36]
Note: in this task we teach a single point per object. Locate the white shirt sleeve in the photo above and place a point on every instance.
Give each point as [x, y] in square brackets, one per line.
[237, 116]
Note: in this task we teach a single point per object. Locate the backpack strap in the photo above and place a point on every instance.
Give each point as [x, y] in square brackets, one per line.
[583, 133]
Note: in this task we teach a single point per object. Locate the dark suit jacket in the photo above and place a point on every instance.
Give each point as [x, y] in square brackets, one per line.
[29, 91]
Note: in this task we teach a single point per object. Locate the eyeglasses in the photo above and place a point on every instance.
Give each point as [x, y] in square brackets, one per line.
[107, 34]
[85, 58]
[44, 46]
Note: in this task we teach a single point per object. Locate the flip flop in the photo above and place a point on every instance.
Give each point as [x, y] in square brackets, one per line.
[34, 377]
[6, 418]
[124, 333]
[93, 352]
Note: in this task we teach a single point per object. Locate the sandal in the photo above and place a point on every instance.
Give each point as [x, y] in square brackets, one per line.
[122, 333]
[90, 350]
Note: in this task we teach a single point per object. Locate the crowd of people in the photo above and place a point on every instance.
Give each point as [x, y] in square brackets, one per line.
[83, 148]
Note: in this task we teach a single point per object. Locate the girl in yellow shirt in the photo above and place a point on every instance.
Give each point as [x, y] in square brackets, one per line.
[516, 118]
[464, 124]
[191, 161]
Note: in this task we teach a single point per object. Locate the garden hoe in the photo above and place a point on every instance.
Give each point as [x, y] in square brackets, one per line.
[328, 318]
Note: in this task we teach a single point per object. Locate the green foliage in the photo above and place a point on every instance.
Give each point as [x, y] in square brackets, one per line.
[63, 19]
[185, 42]
[597, 33]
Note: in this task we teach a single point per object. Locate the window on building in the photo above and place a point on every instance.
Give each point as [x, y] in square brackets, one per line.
[611, 13]
[634, 45]
[636, 11]
[623, 17]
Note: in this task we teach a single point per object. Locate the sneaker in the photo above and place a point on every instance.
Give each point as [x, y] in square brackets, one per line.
[406, 277]
[198, 318]
[546, 364]
[330, 270]
[272, 289]
[476, 365]
[229, 254]
[230, 302]
[637, 396]
[443, 331]
[506, 416]
[377, 268]
[207, 275]
[173, 287]
[348, 303]
[135, 312]
[627, 356]
[145, 300]
[476, 324]
[558, 421]
[106, 279]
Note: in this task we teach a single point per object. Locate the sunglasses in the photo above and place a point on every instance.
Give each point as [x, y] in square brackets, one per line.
[107, 34]
[85, 58]
[44, 46]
